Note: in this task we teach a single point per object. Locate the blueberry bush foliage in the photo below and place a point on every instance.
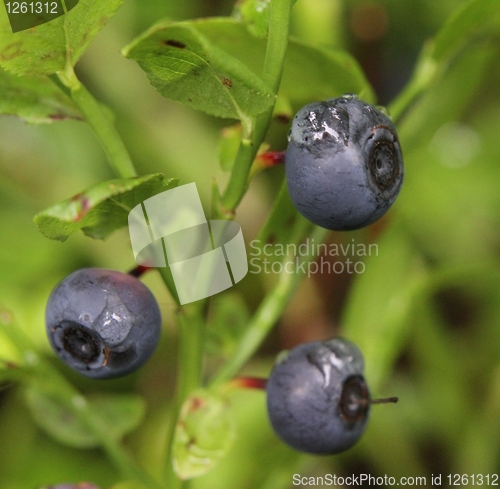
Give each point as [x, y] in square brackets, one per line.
[110, 104]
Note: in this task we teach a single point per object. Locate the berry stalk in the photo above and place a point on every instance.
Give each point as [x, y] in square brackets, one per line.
[247, 383]
[386, 400]
[139, 271]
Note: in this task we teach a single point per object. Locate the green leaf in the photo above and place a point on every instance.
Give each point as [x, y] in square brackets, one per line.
[316, 73]
[101, 209]
[215, 64]
[255, 14]
[204, 433]
[48, 48]
[310, 72]
[478, 17]
[183, 65]
[37, 100]
[119, 413]
[21, 21]
[473, 26]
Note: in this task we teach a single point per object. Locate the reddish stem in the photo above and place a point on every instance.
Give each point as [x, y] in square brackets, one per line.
[139, 270]
[248, 383]
[271, 158]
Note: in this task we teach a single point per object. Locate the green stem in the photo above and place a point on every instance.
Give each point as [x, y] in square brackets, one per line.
[424, 75]
[283, 211]
[277, 42]
[269, 310]
[101, 125]
[190, 360]
[166, 275]
[191, 336]
[279, 25]
[238, 181]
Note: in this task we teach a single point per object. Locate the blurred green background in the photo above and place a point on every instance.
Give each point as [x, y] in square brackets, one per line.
[435, 280]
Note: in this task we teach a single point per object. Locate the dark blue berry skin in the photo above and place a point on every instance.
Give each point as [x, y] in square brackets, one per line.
[344, 166]
[102, 323]
[317, 397]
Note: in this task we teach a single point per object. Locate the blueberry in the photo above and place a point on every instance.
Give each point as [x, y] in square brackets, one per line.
[317, 398]
[344, 166]
[102, 323]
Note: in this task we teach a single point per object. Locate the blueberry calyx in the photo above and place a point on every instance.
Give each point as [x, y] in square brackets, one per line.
[80, 344]
[383, 165]
[354, 399]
